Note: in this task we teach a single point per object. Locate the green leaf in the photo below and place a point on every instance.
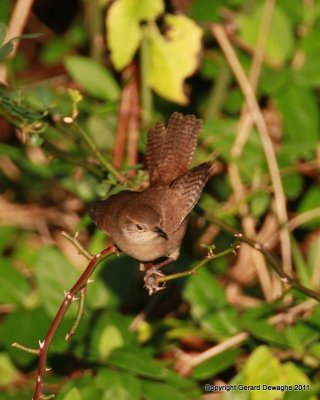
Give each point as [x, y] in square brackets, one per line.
[293, 375]
[3, 32]
[93, 77]
[262, 367]
[123, 27]
[280, 41]
[308, 74]
[54, 276]
[8, 373]
[101, 129]
[98, 295]
[220, 135]
[109, 340]
[14, 288]
[173, 57]
[160, 391]
[215, 365]
[5, 10]
[19, 326]
[301, 118]
[208, 305]
[300, 335]
[6, 50]
[85, 386]
[7, 47]
[137, 361]
[259, 203]
[111, 331]
[302, 268]
[118, 385]
[310, 201]
[292, 185]
[7, 236]
[204, 10]
[73, 394]
[313, 254]
[263, 330]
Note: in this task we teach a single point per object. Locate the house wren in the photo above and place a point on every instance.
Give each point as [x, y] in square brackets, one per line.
[150, 225]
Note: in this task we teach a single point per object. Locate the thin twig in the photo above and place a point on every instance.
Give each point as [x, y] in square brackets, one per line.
[219, 348]
[17, 22]
[249, 229]
[77, 244]
[289, 315]
[303, 218]
[211, 256]
[80, 312]
[245, 122]
[280, 202]
[274, 262]
[25, 348]
[104, 162]
[294, 223]
[244, 128]
[218, 92]
[94, 13]
[285, 317]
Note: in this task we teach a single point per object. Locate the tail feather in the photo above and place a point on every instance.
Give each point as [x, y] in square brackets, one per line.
[169, 151]
[188, 189]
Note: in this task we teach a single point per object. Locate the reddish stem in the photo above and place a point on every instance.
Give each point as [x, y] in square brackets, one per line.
[128, 118]
[68, 298]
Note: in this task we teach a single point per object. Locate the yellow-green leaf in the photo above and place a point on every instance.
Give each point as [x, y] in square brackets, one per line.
[174, 57]
[110, 339]
[73, 394]
[123, 27]
[264, 368]
[8, 372]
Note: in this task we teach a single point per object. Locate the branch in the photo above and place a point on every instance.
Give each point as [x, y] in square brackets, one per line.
[74, 240]
[274, 262]
[211, 256]
[69, 297]
[286, 318]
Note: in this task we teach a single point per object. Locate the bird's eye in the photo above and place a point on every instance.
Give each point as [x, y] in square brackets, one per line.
[139, 227]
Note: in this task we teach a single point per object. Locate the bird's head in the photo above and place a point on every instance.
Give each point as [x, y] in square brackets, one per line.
[142, 224]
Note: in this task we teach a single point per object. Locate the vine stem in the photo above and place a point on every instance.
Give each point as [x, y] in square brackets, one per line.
[69, 297]
[211, 256]
[104, 162]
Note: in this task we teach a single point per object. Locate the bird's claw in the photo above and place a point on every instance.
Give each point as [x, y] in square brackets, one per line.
[151, 280]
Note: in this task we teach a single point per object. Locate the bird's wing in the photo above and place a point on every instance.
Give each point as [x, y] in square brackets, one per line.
[185, 192]
[169, 151]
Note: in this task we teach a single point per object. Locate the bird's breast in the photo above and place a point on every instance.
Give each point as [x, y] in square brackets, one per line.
[143, 249]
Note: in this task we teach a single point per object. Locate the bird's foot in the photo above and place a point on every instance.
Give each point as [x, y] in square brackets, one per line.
[153, 274]
[151, 280]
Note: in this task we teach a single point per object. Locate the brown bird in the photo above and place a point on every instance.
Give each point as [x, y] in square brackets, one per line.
[150, 225]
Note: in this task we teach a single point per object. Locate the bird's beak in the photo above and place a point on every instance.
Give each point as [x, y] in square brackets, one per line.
[160, 232]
